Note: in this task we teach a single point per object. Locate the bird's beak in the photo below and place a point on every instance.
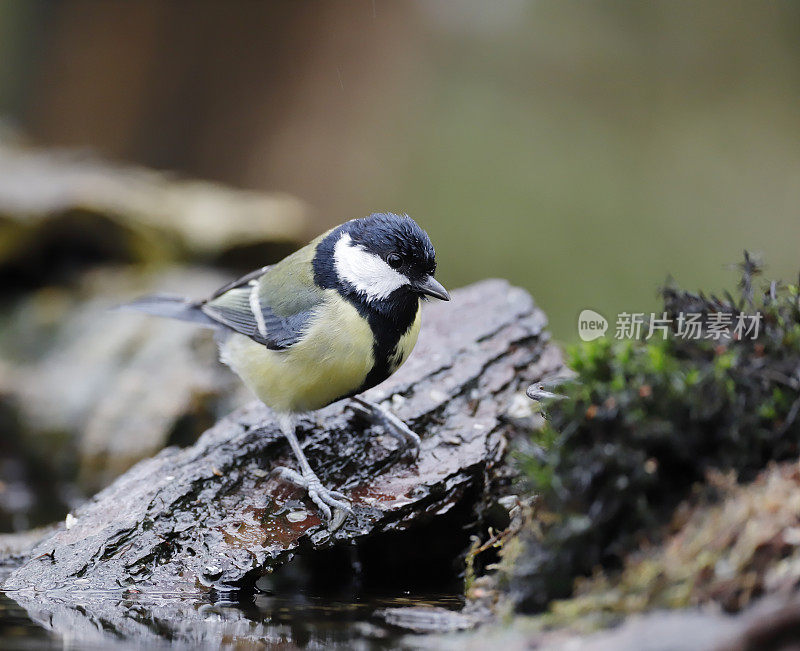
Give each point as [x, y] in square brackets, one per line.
[432, 287]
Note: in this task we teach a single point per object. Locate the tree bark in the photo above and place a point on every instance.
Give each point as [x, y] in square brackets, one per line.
[212, 515]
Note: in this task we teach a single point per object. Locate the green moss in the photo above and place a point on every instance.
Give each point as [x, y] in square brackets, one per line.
[645, 420]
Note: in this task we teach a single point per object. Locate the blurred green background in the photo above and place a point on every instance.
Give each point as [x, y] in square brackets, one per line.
[582, 149]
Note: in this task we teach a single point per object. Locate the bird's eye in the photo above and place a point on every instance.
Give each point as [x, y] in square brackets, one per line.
[394, 260]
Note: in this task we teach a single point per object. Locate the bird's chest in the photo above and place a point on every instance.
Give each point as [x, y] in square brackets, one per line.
[330, 361]
[341, 354]
[393, 343]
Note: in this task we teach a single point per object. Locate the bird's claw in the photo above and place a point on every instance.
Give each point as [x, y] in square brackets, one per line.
[408, 440]
[324, 498]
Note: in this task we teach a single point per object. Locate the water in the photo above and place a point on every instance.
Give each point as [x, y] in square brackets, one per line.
[18, 631]
[298, 619]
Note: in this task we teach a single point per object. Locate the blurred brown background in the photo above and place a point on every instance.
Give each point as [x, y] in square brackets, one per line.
[583, 150]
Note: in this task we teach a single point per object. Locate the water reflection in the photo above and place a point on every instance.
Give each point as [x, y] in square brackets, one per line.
[298, 619]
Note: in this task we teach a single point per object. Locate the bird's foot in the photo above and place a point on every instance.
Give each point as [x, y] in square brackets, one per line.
[409, 441]
[324, 498]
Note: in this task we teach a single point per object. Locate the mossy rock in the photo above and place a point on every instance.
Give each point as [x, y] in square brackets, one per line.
[645, 420]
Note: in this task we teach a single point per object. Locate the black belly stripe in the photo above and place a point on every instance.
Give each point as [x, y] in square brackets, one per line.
[389, 321]
[387, 336]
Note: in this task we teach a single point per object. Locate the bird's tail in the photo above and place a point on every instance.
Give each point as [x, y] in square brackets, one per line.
[172, 307]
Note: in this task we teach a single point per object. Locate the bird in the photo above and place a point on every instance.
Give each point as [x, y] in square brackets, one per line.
[326, 323]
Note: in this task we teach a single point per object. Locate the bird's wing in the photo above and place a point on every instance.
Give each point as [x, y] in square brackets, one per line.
[239, 282]
[271, 305]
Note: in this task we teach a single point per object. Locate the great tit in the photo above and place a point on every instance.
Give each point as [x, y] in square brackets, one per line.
[329, 321]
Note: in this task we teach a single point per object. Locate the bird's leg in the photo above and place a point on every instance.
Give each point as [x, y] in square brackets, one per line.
[321, 496]
[392, 425]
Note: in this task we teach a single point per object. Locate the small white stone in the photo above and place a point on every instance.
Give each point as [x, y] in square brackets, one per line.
[297, 516]
[70, 521]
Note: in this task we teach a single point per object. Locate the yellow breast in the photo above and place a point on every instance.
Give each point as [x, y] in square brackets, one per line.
[331, 360]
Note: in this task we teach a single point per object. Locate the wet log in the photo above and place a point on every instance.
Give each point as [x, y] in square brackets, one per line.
[212, 515]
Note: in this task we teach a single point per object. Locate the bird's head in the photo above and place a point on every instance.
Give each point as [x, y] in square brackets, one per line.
[384, 255]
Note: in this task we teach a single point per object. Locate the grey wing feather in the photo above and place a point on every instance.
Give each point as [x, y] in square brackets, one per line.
[243, 307]
[240, 281]
[233, 310]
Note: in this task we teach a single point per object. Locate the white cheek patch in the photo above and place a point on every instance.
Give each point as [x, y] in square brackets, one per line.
[367, 272]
